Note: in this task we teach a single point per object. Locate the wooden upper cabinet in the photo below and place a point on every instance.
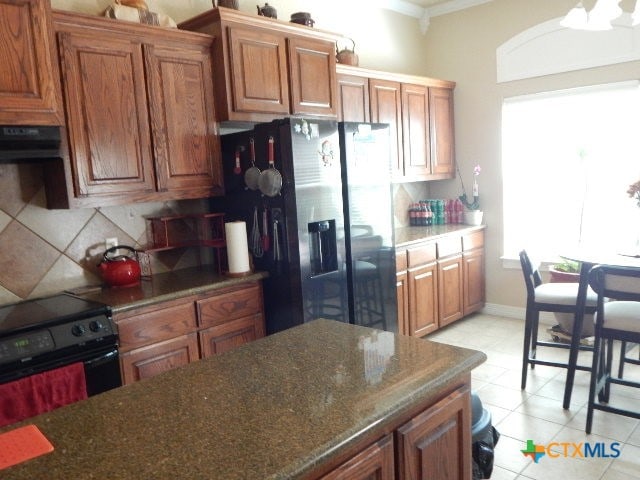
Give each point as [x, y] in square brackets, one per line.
[140, 115]
[29, 83]
[107, 114]
[271, 68]
[312, 70]
[442, 136]
[186, 147]
[415, 131]
[353, 98]
[385, 107]
[258, 71]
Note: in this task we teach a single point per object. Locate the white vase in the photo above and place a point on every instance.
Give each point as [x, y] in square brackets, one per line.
[473, 217]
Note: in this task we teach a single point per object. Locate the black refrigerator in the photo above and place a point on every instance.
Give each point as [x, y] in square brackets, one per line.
[326, 238]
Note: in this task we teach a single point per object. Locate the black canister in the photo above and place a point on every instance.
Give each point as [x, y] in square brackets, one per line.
[302, 18]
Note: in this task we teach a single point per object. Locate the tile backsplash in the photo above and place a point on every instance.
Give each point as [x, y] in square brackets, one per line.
[47, 251]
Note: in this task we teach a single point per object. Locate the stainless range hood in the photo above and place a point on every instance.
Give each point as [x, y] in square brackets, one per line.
[29, 143]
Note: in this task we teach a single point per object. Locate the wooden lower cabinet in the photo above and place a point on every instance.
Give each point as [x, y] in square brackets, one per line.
[450, 289]
[432, 442]
[146, 362]
[436, 444]
[229, 335]
[166, 335]
[439, 281]
[373, 463]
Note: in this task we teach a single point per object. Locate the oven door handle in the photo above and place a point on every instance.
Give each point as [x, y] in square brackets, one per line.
[101, 359]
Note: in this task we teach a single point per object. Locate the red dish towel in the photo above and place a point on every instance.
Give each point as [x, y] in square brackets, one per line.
[41, 393]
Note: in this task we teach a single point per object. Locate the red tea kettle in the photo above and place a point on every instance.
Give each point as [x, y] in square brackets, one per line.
[120, 270]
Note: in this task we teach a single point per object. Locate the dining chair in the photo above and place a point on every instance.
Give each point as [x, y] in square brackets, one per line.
[617, 318]
[547, 297]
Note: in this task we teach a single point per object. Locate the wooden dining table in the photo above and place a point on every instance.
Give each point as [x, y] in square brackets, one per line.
[588, 258]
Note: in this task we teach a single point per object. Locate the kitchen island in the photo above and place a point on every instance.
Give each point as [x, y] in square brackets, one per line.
[297, 404]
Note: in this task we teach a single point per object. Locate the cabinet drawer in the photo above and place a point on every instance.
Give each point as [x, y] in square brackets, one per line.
[473, 240]
[401, 260]
[229, 306]
[449, 246]
[155, 326]
[421, 255]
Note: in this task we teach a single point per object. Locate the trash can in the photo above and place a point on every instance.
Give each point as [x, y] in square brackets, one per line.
[484, 438]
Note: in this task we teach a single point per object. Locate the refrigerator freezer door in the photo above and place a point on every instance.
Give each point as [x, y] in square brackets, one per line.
[366, 179]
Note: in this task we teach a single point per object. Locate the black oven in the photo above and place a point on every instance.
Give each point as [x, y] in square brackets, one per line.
[53, 351]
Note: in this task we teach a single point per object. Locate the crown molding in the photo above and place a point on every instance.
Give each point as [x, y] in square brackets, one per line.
[405, 7]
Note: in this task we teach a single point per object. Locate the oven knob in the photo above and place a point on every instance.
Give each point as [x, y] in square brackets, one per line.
[78, 330]
[96, 326]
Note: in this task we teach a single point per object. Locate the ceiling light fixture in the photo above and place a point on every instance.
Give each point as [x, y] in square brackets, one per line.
[600, 16]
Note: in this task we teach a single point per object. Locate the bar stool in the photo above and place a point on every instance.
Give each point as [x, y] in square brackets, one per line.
[615, 320]
[547, 297]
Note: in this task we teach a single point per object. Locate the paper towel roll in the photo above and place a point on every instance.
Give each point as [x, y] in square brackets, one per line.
[237, 248]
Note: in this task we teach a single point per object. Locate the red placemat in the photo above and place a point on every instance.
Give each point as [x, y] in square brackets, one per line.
[22, 444]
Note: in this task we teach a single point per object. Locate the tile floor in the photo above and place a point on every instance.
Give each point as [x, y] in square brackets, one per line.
[537, 414]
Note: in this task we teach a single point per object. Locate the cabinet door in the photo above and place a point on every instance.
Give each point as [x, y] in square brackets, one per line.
[442, 138]
[473, 262]
[229, 335]
[29, 85]
[185, 142]
[450, 289]
[373, 463]
[415, 131]
[423, 299]
[402, 297]
[436, 444]
[312, 77]
[107, 114]
[385, 105]
[259, 82]
[353, 98]
[146, 362]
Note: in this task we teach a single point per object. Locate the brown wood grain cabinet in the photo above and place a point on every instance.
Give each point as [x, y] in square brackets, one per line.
[441, 281]
[29, 84]
[436, 444]
[166, 335]
[353, 98]
[423, 289]
[271, 68]
[139, 114]
[419, 111]
[376, 462]
[474, 273]
[402, 292]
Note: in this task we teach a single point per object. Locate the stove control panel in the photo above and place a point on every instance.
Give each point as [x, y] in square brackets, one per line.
[78, 332]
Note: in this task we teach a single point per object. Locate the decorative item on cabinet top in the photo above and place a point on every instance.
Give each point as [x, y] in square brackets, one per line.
[302, 18]
[137, 11]
[227, 4]
[346, 56]
[267, 11]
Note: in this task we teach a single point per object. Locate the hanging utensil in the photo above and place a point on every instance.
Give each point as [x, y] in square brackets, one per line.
[237, 170]
[256, 244]
[277, 253]
[252, 174]
[270, 181]
[265, 231]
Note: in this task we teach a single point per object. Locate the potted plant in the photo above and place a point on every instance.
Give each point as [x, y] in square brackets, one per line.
[472, 213]
[567, 271]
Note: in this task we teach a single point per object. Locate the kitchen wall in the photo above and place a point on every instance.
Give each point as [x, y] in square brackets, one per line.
[461, 46]
[46, 251]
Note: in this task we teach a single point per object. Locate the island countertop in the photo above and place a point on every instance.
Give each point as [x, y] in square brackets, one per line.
[276, 408]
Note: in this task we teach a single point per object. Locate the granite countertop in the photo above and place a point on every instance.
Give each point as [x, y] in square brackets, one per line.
[405, 236]
[272, 409]
[165, 286]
